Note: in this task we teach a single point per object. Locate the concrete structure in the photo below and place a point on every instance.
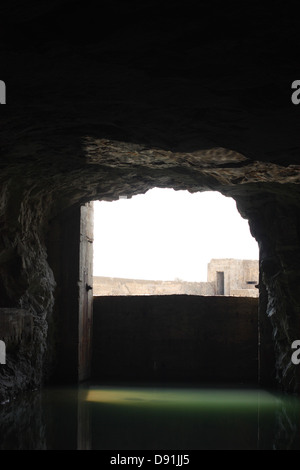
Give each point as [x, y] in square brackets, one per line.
[231, 277]
[234, 277]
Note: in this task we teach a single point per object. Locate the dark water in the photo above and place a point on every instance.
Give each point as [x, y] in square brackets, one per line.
[103, 417]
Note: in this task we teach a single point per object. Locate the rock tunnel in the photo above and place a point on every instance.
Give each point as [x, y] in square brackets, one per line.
[103, 106]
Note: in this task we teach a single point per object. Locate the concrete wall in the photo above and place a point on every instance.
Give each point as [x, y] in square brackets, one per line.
[119, 286]
[179, 338]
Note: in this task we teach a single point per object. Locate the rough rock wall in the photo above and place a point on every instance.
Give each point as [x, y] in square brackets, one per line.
[26, 282]
[274, 219]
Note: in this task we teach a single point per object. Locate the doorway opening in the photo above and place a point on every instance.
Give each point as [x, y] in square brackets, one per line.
[220, 282]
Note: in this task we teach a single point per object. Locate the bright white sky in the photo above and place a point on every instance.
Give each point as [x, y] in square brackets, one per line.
[166, 234]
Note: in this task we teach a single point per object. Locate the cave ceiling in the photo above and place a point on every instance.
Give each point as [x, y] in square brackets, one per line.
[145, 88]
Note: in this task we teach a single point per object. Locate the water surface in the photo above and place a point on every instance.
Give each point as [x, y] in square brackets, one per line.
[104, 417]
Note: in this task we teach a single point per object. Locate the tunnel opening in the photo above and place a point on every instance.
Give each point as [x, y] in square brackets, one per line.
[171, 333]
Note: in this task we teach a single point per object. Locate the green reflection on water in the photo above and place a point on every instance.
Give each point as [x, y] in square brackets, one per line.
[151, 418]
[197, 399]
[183, 418]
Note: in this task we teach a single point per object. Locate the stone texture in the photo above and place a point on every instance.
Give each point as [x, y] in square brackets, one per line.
[22, 424]
[175, 99]
[16, 325]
